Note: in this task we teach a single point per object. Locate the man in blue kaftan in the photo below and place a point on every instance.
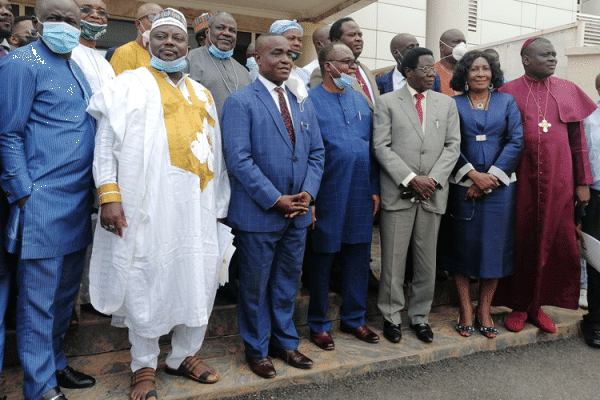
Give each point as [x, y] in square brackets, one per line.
[46, 148]
[347, 201]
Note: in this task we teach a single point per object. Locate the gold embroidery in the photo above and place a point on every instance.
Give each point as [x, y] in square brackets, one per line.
[185, 124]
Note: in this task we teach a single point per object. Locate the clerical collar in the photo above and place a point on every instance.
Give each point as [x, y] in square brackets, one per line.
[533, 80]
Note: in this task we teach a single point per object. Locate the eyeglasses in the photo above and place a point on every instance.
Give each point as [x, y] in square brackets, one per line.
[149, 16]
[426, 70]
[89, 10]
[349, 63]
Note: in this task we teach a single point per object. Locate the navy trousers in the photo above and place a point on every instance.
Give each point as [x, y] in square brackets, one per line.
[355, 284]
[47, 291]
[269, 266]
[4, 290]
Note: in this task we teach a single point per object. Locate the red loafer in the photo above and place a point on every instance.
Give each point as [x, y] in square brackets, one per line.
[292, 357]
[542, 321]
[262, 367]
[516, 321]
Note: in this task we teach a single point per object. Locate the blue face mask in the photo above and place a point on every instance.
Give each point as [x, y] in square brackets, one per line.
[345, 81]
[60, 37]
[214, 50]
[168, 66]
[92, 32]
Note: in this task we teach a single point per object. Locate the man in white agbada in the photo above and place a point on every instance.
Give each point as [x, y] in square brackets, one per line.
[162, 184]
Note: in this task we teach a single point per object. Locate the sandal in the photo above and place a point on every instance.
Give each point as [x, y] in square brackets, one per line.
[141, 376]
[187, 368]
[488, 331]
[464, 330]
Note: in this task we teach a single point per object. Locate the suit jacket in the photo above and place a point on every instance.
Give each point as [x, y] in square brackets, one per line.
[401, 146]
[261, 160]
[385, 83]
[316, 78]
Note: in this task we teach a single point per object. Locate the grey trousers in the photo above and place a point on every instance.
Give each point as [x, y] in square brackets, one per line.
[398, 229]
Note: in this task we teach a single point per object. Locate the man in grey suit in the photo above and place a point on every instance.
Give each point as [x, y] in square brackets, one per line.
[416, 139]
[347, 31]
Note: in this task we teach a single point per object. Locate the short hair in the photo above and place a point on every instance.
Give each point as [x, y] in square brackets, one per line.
[336, 31]
[411, 58]
[22, 18]
[325, 52]
[459, 79]
[491, 51]
[211, 21]
[258, 43]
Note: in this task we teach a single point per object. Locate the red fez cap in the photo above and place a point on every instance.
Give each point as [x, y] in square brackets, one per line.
[201, 22]
[528, 42]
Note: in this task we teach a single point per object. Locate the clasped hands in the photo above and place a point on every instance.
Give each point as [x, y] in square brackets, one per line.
[483, 183]
[423, 186]
[293, 205]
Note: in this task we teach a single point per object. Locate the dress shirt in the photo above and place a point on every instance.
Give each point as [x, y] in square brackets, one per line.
[271, 88]
[412, 92]
[314, 64]
[398, 80]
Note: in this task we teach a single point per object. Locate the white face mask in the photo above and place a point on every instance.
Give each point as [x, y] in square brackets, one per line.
[458, 51]
[146, 38]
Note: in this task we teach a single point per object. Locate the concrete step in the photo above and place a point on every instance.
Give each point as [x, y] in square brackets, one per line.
[351, 356]
[95, 335]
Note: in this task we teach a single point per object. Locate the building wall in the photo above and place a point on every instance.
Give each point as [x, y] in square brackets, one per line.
[496, 20]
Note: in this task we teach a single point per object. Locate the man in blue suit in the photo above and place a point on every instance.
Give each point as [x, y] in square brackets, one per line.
[274, 153]
[394, 80]
[46, 148]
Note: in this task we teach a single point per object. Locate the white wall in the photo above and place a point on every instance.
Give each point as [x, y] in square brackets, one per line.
[497, 20]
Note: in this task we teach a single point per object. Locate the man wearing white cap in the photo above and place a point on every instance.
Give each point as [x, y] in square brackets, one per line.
[162, 184]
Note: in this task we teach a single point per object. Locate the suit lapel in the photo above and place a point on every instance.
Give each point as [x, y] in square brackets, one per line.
[409, 109]
[432, 119]
[265, 97]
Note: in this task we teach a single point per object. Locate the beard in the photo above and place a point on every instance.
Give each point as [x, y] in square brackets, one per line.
[4, 34]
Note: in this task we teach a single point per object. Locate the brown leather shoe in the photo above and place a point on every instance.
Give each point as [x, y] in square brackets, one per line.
[322, 339]
[292, 357]
[262, 367]
[362, 332]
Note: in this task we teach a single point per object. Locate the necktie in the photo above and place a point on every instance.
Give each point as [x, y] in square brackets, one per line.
[419, 96]
[363, 84]
[285, 114]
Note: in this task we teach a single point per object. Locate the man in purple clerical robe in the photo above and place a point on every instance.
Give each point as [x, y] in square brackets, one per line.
[553, 174]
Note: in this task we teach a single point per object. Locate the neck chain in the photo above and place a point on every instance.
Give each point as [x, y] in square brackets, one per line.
[544, 124]
[222, 77]
[480, 105]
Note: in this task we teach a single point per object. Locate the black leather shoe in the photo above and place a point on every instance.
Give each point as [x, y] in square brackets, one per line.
[292, 357]
[591, 334]
[423, 331]
[392, 332]
[53, 394]
[71, 379]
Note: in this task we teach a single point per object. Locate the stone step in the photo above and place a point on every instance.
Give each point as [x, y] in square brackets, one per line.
[95, 335]
[351, 357]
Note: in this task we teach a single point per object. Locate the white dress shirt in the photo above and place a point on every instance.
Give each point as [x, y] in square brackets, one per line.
[398, 80]
[271, 88]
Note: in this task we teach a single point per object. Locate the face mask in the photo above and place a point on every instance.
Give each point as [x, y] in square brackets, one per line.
[214, 50]
[252, 67]
[146, 38]
[168, 66]
[91, 31]
[459, 51]
[345, 81]
[60, 37]
[295, 55]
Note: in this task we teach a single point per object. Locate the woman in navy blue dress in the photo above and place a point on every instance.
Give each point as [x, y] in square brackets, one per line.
[477, 236]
